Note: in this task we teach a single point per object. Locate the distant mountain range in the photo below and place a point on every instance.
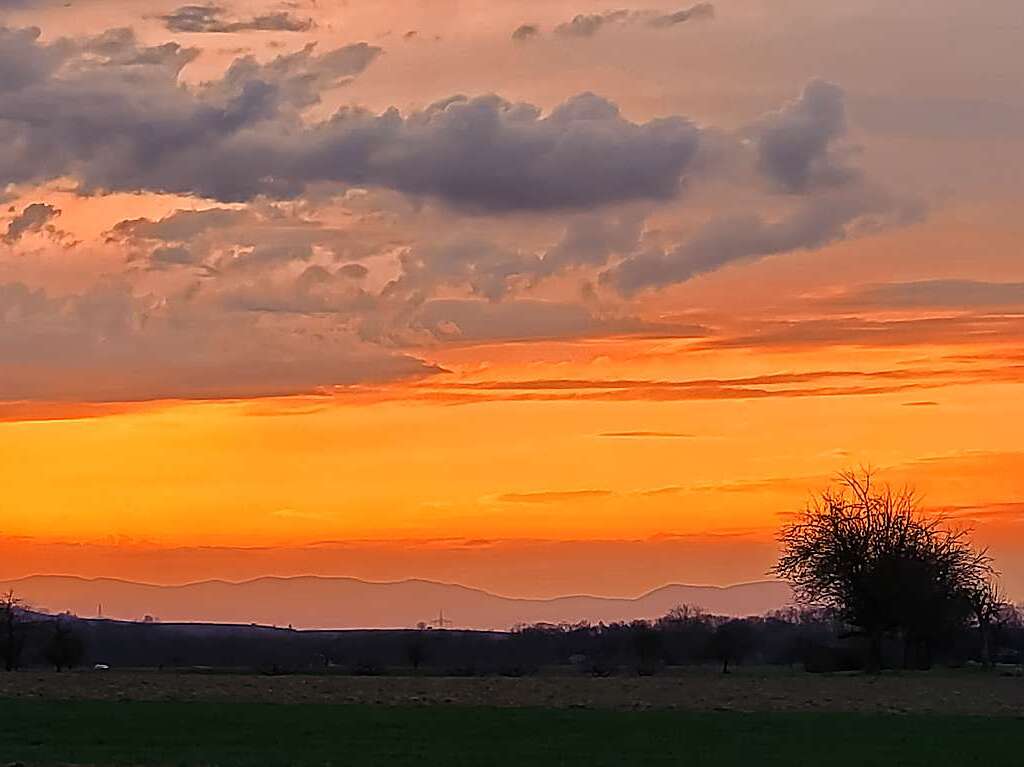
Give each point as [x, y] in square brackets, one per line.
[313, 602]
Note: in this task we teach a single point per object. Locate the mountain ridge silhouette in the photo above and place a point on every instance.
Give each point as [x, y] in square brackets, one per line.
[324, 602]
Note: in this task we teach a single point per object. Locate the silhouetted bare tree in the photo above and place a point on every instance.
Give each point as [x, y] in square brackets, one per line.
[988, 609]
[866, 551]
[12, 639]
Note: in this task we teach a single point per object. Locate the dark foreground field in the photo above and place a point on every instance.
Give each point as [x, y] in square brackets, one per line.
[693, 689]
[693, 718]
[150, 733]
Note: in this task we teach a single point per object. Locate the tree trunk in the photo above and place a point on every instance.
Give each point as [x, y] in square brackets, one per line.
[986, 645]
[874, 659]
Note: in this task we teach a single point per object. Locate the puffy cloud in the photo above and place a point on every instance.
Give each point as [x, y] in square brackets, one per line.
[36, 217]
[292, 291]
[525, 32]
[24, 61]
[818, 221]
[183, 225]
[211, 18]
[114, 115]
[241, 243]
[494, 271]
[798, 151]
[486, 268]
[795, 144]
[592, 240]
[317, 290]
[498, 156]
[131, 127]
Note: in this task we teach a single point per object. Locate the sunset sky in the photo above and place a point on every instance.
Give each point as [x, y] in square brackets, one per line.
[537, 296]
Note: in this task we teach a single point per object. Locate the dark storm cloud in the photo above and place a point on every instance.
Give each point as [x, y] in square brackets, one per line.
[211, 19]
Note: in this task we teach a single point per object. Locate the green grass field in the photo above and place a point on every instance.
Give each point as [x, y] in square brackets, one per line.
[160, 733]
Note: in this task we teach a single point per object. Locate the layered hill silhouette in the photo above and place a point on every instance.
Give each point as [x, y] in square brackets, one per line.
[338, 603]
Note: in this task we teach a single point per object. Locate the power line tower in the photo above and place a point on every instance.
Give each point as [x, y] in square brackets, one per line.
[441, 622]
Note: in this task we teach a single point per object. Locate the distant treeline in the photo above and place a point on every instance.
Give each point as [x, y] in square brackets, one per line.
[812, 640]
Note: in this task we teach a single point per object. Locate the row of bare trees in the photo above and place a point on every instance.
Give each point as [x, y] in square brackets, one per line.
[62, 648]
[862, 553]
[866, 552]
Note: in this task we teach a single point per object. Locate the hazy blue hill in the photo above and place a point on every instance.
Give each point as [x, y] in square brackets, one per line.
[320, 602]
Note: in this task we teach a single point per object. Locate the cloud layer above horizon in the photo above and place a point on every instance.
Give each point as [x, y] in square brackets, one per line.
[210, 201]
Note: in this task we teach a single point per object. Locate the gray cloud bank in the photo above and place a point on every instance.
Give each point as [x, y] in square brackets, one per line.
[935, 294]
[109, 344]
[266, 298]
[795, 152]
[114, 116]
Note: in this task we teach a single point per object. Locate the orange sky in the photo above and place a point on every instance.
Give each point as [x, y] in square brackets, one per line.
[577, 379]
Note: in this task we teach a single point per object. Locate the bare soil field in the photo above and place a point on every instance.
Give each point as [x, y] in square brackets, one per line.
[747, 690]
